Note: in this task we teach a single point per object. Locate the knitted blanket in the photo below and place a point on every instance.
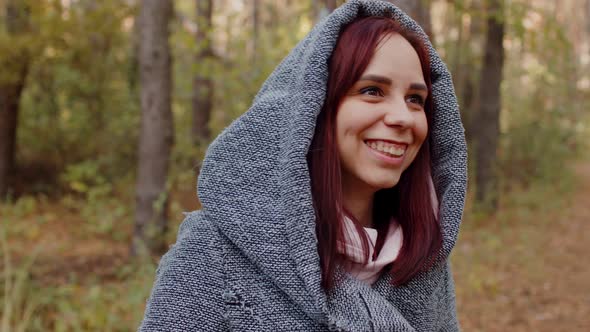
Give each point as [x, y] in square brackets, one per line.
[248, 260]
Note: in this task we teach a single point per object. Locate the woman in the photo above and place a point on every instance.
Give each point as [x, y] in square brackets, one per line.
[319, 207]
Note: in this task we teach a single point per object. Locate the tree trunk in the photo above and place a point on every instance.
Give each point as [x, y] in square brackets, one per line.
[9, 106]
[17, 23]
[203, 85]
[133, 70]
[255, 31]
[587, 34]
[419, 10]
[157, 132]
[465, 66]
[488, 122]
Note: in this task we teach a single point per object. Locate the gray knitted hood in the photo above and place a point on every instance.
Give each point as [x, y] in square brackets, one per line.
[255, 186]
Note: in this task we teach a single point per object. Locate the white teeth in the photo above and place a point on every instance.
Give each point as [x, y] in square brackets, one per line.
[387, 148]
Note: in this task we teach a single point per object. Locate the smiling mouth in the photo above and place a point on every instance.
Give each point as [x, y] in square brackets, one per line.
[387, 148]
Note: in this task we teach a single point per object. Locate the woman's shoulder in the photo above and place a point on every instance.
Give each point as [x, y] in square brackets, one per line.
[197, 239]
[189, 281]
[195, 225]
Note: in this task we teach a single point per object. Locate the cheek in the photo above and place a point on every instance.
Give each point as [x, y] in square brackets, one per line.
[349, 123]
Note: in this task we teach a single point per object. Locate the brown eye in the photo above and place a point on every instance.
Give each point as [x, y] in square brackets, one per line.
[372, 91]
[416, 99]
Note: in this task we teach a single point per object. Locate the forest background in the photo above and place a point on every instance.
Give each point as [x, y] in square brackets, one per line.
[79, 79]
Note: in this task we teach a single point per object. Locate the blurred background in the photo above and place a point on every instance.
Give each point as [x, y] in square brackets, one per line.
[107, 107]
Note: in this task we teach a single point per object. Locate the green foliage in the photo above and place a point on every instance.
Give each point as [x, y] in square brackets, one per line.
[77, 96]
[95, 199]
[113, 306]
[541, 106]
[22, 206]
[77, 306]
[536, 151]
[83, 176]
[18, 299]
[30, 302]
[237, 70]
[103, 213]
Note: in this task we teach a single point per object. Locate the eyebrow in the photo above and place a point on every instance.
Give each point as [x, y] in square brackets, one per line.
[387, 81]
[377, 79]
[418, 86]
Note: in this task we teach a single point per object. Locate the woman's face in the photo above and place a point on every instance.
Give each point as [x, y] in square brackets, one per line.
[381, 123]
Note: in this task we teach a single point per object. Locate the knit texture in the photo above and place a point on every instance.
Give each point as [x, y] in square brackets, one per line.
[248, 260]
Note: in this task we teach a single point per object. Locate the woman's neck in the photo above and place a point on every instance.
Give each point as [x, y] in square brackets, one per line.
[360, 205]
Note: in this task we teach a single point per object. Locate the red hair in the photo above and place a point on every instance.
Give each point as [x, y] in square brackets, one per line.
[409, 201]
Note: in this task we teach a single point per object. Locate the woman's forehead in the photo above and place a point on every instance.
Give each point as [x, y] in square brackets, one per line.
[395, 58]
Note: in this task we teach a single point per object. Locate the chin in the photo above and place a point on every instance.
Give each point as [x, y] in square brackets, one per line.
[381, 179]
[385, 183]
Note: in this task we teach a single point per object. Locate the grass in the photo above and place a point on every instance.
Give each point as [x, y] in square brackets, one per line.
[77, 278]
[78, 302]
[19, 304]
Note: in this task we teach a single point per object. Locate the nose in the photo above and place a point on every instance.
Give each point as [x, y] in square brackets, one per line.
[398, 113]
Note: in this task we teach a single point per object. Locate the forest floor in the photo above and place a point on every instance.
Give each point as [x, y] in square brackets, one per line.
[524, 269]
[528, 269]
